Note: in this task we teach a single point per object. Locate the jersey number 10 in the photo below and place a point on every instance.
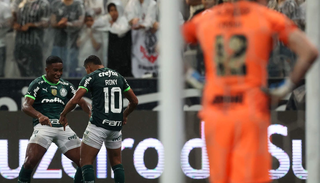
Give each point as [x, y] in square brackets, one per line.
[112, 104]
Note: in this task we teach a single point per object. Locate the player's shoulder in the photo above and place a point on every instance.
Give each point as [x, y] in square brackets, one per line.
[38, 81]
[64, 82]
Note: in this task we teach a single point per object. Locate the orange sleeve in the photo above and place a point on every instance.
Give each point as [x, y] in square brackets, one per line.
[282, 25]
[189, 32]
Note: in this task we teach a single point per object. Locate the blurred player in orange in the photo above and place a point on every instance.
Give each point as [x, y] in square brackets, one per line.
[237, 39]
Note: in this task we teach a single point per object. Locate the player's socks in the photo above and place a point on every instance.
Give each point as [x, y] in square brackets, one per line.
[24, 175]
[78, 176]
[118, 173]
[88, 174]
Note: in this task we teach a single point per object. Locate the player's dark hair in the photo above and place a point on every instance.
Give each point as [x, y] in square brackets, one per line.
[110, 5]
[92, 59]
[53, 59]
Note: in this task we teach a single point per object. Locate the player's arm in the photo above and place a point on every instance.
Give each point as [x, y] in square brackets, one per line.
[189, 32]
[71, 105]
[27, 107]
[133, 102]
[306, 52]
[85, 106]
[297, 41]
[73, 101]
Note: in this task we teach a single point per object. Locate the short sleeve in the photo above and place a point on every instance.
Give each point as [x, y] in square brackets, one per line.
[71, 90]
[33, 90]
[126, 86]
[86, 83]
[189, 32]
[281, 25]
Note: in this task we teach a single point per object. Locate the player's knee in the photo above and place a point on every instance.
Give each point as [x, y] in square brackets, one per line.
[32, 161]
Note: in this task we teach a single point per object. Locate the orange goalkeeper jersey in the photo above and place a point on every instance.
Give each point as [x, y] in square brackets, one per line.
[237, 39]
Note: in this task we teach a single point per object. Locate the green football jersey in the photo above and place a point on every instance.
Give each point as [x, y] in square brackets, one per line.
[106, 87]
[49, 98]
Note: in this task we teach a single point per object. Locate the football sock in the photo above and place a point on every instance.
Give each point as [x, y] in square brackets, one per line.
[88, 174]
[78, 176]
[118, 173]
[24, 175]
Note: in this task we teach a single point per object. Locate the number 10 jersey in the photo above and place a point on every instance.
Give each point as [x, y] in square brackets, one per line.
[106, 87]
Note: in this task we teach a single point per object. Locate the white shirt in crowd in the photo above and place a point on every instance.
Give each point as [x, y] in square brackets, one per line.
[119, 27]
[85, 45]
[5, 18]
[135, 9]
[90, 4]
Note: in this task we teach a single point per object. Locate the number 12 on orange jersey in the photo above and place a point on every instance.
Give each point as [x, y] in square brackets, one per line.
[230, 59]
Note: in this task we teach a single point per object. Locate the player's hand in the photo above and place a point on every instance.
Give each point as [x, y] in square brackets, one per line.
[124, 121]
[44, 120]
[63, 121]
[276, 93]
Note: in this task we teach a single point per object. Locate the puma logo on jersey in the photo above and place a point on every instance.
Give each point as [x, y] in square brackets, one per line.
[45, 89]
[35, 91]
[87, 81]
[55, 100]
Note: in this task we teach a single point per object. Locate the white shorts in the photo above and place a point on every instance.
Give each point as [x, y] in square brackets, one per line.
[65, 140]
[94, 136]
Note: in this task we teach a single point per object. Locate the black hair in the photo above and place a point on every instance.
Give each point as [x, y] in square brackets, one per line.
[53, 59]
[110, 5]
[92, 59]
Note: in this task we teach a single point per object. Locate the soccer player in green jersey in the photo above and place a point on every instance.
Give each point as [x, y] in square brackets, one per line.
[107, 88]
[46, 97]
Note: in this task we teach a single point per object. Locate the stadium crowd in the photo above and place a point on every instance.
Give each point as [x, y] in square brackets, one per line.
[123, 33]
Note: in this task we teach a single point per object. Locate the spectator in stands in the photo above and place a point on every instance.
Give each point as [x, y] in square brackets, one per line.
[282, 58]
[141, 15]
[119, 50]
[67, 20]
[288, 7]
[196, 7]
[96, 6]
[5, 24]
[89, 41]
[119, 37]
[32, 16]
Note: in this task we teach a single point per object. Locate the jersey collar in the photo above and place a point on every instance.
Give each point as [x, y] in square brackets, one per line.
[45, 79]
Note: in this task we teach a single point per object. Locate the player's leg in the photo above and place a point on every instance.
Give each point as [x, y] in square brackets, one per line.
[74, 155]
[88, 155]
[219, 141]
[91, 143]
[113, 144]
[34, 154]
[39, 142]
[251, 160]
[69, 144]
